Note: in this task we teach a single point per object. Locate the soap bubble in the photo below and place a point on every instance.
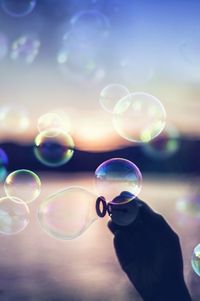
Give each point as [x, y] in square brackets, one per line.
[51, 123]
[139, 117]
[14, 215]
[90, 25]
[164, 145]
[75, 59]
[3, 46]
[53, 150]
[68, 213]
[18, 8]
[23, 184]
[110, 95]
[195, 260]
[3, 165]
[117, 175]
[14, 119]
[25, 49]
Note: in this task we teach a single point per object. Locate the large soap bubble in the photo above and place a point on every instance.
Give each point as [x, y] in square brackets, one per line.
[139, 117]
[14, 215]
[18, 8]
[51, 123]
[68, 213]
[195, 260]
[23, 184]
[118, 175]
[53, 150]
[110, 95]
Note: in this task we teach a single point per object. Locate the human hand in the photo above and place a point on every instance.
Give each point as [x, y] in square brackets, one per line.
[149, 252]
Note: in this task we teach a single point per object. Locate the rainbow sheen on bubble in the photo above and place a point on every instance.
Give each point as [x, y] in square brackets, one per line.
[23, 184]
[53, 150]
[25, 49]
[110, 95]
[195, 260]
[90, 25]
[163, 146]
[118, 175]
[18, 8]
[68, 213]
[14, 119]
[139, 117]
[3, 165]
[51, 123]
[14, 215]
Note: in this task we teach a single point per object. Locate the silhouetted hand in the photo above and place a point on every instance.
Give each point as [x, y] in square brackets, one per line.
[149, 252]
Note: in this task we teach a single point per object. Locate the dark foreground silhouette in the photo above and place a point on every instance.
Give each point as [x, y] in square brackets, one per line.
[150, 254]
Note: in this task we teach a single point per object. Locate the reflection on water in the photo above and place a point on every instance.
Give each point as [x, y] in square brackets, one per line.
[37, 267]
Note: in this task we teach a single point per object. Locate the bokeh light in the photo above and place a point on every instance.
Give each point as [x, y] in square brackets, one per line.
[14, 118]
[163, 146]
[195, 260]
[51, 123]
[53, 150]
[139, 117]
[25, 49]
[68, 213]
[20, 8]
[90, 25]
[110, 95]
[116, 175]
[189, 205]
[23, 184]
[14, 215]
[3, 46]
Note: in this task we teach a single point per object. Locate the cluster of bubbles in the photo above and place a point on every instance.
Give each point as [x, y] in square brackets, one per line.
[136, 117]
[25, 49]
[18, 9]
[53, 145]
[69, 213]
[21, 188]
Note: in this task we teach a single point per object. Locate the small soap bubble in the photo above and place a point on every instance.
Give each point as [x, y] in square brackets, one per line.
[110, 95]
[90, 25]
[51, 123]
[53, 150]
[163, 146]
[115, 176]
[68, 213]
[23, 184]
[14, 215]
[18, 9]
[14, 119]
[139, 117]
[25, 49]
[195, 260]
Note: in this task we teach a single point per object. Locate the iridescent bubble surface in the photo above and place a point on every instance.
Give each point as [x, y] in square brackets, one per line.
[139, 117]
[25, 49]
[53, 150]
[14, 215]
[14, 119]
[163, 146]
[90, 25]
[51, 123]
[110, 95]
[68, 213]
[3, 165]
[23, 184]
[20, 8]
[117, 175]
[195, 260]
